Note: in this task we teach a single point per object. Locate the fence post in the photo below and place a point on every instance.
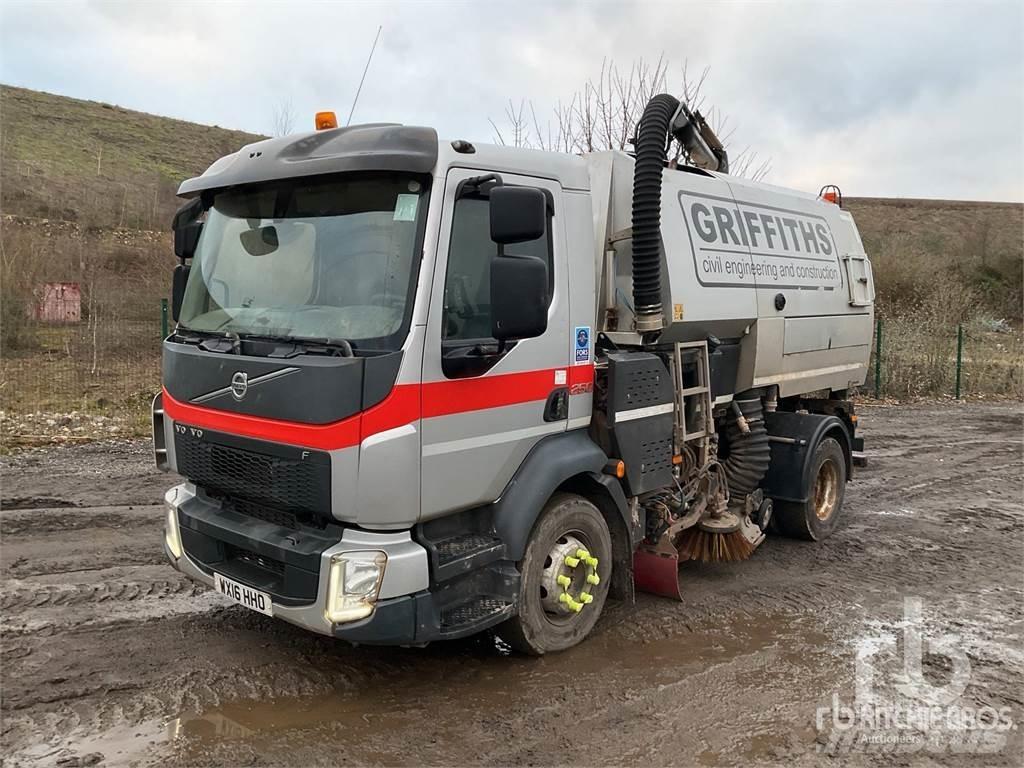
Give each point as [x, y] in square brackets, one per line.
[959, 355]
[878, 359]
[163, 318]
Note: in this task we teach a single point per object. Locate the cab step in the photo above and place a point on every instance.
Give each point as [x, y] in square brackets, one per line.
[477, 612]
[465, 552]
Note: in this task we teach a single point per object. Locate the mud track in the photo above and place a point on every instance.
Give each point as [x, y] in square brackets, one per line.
[110, 656]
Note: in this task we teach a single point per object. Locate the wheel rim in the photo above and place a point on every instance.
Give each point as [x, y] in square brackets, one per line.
[826, 490]
[568, 577]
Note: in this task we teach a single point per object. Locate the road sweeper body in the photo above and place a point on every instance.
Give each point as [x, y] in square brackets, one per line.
[419, 389]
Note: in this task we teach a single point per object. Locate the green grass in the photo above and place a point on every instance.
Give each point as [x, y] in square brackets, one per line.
[98, 163]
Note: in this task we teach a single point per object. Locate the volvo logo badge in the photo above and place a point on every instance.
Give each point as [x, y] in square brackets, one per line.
[239, 384]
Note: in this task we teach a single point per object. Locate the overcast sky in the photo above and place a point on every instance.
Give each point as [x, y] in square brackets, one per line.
[920, 99]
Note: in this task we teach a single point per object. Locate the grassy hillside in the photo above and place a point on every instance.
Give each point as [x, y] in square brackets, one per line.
[98, 164]
[949, 260]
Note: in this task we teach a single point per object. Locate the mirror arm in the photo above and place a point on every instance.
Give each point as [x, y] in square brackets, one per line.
[475, 185]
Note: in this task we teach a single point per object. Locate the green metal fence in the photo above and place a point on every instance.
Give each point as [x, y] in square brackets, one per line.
[915, 359]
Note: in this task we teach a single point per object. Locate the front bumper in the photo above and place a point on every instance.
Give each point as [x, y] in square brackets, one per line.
[299, 563]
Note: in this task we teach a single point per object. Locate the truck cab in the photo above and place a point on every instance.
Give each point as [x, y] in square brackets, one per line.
[354, 439]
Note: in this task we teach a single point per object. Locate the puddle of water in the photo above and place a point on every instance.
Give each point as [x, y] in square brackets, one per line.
[449, 690]
[444, 690]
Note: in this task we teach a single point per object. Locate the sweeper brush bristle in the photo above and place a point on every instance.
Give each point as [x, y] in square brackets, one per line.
[698, 544]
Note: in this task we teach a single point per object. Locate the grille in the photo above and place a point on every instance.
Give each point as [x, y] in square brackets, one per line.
[281, 517]
[287, 484]
[266, 563]
[267, 514]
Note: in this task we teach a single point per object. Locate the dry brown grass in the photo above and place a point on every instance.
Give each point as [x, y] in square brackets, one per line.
[950, 260]
[940, 263]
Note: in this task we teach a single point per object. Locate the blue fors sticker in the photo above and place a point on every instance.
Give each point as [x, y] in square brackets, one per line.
[581, 346]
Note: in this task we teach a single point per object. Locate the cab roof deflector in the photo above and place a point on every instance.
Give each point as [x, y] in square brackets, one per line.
[372, 147]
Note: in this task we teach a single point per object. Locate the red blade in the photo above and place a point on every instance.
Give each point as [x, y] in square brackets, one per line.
[657, 571]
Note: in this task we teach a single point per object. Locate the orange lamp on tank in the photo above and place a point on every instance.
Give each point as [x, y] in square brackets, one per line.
[830, 193]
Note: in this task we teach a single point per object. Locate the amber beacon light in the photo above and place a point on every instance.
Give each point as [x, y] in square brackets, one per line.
[325, 120]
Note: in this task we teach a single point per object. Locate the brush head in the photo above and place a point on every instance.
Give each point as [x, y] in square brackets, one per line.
[707, 547]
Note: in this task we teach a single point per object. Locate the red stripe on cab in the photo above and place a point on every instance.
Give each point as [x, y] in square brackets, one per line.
[405, 404]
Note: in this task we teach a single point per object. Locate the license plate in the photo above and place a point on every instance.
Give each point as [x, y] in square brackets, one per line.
[243, 595]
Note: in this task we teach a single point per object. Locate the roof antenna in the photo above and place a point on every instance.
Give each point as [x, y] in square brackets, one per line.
[367, 67]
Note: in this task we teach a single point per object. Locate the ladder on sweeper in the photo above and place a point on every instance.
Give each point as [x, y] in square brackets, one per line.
[656, 566]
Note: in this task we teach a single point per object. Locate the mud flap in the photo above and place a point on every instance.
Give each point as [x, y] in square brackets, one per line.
[656, 570]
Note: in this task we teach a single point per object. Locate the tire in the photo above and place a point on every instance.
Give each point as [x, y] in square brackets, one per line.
[536, 630]
[817, 517]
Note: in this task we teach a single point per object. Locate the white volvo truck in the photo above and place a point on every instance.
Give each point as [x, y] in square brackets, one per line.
[421, 388]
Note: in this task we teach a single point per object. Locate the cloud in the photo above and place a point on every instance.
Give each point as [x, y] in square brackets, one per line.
[884, 99]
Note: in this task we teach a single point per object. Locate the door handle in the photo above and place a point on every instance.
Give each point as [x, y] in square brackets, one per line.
[556, 408]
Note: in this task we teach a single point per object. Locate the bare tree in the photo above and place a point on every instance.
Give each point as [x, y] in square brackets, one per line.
[283, 118]
[604, 112]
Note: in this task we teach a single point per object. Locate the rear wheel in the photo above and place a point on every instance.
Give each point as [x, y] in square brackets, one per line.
[817, 517]
[564, 579]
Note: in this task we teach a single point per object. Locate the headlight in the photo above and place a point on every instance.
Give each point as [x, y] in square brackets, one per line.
[171, 536]
[353, 585]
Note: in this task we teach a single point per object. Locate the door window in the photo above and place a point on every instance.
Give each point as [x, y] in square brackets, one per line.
[468, 349]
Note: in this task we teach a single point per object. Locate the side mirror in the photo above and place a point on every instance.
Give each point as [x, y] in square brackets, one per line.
[178, 283]
[518, 214]
[519, 297]
[186, 238]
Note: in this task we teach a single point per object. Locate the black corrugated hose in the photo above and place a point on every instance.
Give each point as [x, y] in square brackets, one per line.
[749, 450]
[651, 143]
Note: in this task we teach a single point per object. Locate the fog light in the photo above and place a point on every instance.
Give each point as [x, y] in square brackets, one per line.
[353, 584]
[171, 536]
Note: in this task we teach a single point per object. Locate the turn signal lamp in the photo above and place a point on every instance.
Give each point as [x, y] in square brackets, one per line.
[325, 120]
[616, 468]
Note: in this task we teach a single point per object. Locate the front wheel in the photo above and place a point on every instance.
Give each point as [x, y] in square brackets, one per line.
[564, 578]
[817, 517]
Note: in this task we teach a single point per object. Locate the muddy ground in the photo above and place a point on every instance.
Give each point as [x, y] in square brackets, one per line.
[109, 655]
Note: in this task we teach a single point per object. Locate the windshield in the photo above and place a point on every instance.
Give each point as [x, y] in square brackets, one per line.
[332, 259]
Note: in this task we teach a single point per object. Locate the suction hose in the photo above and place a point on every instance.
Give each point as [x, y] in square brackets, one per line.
[651, 143]
[749, 451]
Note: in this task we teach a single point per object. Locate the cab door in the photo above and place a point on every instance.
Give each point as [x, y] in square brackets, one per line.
[484, 407]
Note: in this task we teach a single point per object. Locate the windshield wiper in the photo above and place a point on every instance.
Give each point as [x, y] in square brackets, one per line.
[305, 342]
[195, 335]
